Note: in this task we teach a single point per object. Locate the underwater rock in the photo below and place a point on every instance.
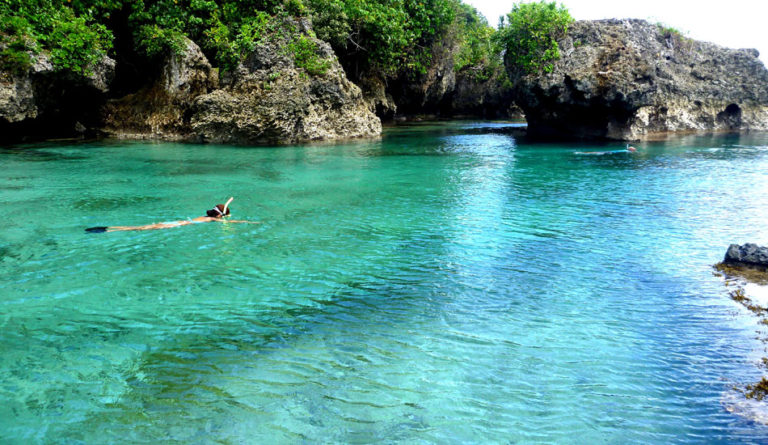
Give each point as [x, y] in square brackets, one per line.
[633, 80]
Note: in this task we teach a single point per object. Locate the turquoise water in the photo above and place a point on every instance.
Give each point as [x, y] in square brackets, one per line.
[446, 284]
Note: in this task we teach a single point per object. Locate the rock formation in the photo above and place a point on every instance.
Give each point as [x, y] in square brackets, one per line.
[748, 254]
[269, 99]
[630, 80]
[477, 94]
[161, 111]
[477, 91]
[266, 99]
[41, 98]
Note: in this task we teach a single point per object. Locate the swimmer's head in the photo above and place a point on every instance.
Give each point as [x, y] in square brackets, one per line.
[218, 211]
[631, 149]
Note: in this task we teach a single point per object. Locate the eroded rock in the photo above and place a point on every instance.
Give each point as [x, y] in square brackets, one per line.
[161, 111]
[270, 100]
[43, 97]
[748, 254]
[629, 80]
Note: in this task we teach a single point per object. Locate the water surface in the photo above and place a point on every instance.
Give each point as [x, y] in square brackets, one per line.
[445, 284]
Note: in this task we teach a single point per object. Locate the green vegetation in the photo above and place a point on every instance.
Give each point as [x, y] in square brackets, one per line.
[384, 38]
[75, 40]
[389, 37]
[675, 35]
[480, 50]
[530, 35]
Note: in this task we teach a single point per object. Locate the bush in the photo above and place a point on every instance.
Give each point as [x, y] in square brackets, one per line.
[480, 53]
[530, 35]
[75, 45]
[387, 37]
[75, 41]
[304, 52]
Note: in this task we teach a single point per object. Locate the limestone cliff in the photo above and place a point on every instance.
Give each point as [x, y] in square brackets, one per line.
[629, 80]
[267, 99]
[477, 91]
[42, 100]
[161, 110]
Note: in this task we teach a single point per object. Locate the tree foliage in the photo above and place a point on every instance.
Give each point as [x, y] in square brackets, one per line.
[480, 51]
[530, 35]
[383, 36]
[388, 38]
[75, 40]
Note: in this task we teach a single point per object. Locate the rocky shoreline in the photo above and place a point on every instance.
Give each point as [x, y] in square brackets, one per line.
[633, 80]
[617, 79]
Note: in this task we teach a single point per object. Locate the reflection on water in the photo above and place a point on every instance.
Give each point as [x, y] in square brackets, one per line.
[445, 284]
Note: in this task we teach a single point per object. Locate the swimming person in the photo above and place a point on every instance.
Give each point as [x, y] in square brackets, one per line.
[216, 214]
[629, 149]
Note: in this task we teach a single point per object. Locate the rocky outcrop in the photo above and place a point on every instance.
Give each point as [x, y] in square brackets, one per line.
[162, 110]
[748, 254]
[266, 99]
[43, 97]
[630, 80]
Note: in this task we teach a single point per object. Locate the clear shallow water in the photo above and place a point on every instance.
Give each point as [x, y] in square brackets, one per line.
[445, 284]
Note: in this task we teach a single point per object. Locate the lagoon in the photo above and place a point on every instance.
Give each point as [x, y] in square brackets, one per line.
[448, 283]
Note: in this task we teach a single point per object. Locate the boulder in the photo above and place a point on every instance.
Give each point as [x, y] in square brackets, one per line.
[748, 254]
[632, 80]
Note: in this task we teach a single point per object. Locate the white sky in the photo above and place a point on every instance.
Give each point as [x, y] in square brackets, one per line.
[732, 23]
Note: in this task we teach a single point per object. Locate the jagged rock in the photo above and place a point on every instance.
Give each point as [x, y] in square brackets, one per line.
[477, 91]
[42, 90]
[379, 100]
[270, 100]
[160, 111]
[748, 254]
[629, 80]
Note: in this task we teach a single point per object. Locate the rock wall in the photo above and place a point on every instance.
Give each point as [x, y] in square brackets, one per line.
[444, 92]
[42, 101]
[631, 80]
[162, 110]
[267, 99]
[483, 95]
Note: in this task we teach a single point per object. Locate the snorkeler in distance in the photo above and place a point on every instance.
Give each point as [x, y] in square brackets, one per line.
[216, 214]
[629, 149]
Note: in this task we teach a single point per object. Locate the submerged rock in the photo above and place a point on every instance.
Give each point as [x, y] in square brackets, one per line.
[748, 254]
[630, 79]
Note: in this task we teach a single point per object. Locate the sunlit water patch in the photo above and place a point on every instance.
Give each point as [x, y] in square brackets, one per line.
[445, 284]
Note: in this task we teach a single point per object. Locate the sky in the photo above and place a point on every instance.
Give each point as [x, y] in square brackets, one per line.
[732, 23]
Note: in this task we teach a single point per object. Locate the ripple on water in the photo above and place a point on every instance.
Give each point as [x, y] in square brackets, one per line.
[440, 285]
